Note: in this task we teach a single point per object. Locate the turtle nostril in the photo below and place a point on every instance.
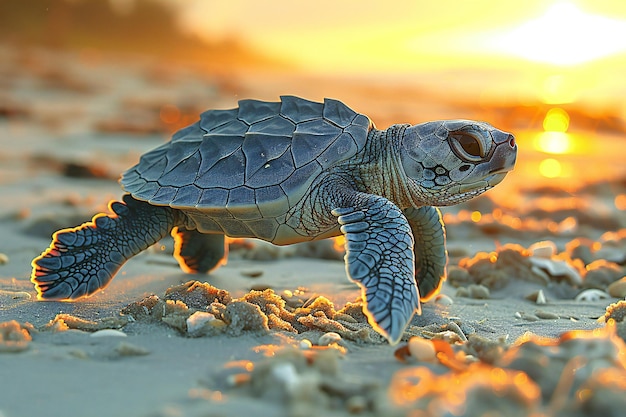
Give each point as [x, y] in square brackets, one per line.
[511, 141]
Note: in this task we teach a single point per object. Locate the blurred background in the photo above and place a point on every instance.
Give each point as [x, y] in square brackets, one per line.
[551, 72]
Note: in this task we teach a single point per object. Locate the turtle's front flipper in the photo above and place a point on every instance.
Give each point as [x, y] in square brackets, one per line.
[198, 252]
[84, 259]
[379, 257]
[431, 256]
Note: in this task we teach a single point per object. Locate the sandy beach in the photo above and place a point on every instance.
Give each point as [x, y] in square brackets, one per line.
[521, 326]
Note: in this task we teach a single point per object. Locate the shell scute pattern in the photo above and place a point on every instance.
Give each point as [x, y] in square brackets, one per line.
[299, 110]
[343, 145]
[261, 157]
[154, 164]
[213, 196]
[273, 193]
[236, 205]
[255, 111]
[337, 113]
[272, 125]
[165, 194]
[234, 128]
[189, 162]
[189, 194]
[276, 170]
[292, 186]
[213, 119]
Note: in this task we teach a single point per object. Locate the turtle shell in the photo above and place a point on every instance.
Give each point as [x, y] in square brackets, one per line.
[260, 157]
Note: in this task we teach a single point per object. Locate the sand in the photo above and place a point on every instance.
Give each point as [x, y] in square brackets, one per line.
[70, 123]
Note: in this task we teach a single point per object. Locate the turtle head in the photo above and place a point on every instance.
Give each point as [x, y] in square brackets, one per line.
[451, 161]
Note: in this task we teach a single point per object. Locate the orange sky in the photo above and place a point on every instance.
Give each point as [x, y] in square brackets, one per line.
[407, 34]
[555, 51]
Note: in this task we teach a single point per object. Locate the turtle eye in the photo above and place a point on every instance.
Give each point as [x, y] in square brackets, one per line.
[468, 146]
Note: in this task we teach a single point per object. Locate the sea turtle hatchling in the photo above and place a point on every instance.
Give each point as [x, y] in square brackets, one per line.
[287, 172]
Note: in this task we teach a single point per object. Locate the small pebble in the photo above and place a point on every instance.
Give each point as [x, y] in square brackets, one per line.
[108, 333]
[286, 373]
[329, 338]
[526, 316]
[305, 344]
[236, 380]
[479, 292]
[255, 273]
[422, 349]
[546, 315]
[544, 249]
[617, 289]
[345, 317]
[443, 300]
[128, 349]
[356, 404]
[475, 291]
[4, 259]
[591, 294]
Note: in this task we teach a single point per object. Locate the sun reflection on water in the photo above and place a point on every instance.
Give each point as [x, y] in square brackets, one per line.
[556, 120]
[554, 140]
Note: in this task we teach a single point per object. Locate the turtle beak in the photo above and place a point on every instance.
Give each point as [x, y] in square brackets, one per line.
[505, 154]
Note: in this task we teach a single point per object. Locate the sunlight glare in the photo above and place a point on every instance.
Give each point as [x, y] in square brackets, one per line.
[553, 142]
[550, 168]
[565, 35]
[556, 120]
[558, 89]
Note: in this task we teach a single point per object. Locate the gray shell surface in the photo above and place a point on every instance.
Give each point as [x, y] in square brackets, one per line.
[260, 156]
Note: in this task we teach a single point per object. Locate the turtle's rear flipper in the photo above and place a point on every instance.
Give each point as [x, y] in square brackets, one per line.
[197, 252]
[84, 259]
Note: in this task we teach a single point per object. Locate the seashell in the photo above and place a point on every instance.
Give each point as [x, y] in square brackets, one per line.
[544, 249]
[197, 320]
[453, 327]
[108, 333]
[15, 295]
[537, 296]
[449, 337]
[329, 338]
[557, 269]
[617, 289]
[591, 294]
[422, 349]
[541, 299]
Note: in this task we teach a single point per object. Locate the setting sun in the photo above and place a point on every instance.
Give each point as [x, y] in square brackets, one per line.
[565, 35]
